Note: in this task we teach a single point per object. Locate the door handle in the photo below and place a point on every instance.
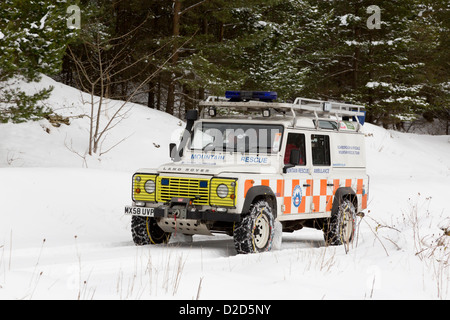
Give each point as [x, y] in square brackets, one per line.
[330, 184]
[307, 185]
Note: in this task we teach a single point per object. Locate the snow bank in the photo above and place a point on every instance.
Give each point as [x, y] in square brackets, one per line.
[139, 139]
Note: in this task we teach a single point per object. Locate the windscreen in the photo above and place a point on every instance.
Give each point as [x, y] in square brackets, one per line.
[236, 137]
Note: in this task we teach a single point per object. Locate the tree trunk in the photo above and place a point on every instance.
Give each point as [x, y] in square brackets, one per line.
[170, 96]
[188, 100]
[151, 95]
[158, 94]
[176, 19]
[201, 97]
[175, 34]
[221, 32]
[357, 33]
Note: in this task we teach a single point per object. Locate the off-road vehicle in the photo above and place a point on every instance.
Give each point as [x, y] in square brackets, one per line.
[248, 161]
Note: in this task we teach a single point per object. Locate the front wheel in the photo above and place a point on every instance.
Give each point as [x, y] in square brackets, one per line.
[255, 232]
[145, 231]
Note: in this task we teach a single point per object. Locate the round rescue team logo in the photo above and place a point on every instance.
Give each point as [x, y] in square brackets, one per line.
[297, 196]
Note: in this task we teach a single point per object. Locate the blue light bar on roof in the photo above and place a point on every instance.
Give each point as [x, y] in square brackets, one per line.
[266, 96]
[233, 95]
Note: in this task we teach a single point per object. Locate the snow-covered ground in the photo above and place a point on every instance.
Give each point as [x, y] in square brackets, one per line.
[63, 234]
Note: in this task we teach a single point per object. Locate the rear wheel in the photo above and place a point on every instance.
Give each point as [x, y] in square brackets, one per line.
[255, 232]
[341, 226]
[145, 231]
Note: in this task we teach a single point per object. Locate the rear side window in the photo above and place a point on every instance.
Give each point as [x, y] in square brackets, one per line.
[320, 145]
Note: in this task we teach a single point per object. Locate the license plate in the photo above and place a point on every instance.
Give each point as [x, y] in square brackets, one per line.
[140, 211]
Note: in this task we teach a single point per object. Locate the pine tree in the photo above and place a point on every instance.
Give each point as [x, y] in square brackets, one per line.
[311, 48]
[273, 59]
[433, 49]
[33, 35]
[376, 67]
[217, 57]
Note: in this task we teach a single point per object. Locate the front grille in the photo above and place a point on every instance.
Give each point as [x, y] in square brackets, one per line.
[184, 188]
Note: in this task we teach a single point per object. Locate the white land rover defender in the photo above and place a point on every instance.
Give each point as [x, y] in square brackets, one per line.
[249, 161]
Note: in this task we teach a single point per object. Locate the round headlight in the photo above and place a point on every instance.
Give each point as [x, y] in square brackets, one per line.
[150, 186]
[222, 190]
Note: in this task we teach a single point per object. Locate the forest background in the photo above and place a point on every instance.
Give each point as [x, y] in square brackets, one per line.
[171, 54]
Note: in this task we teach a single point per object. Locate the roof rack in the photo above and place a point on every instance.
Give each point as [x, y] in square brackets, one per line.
[342, 109]
[301, 105]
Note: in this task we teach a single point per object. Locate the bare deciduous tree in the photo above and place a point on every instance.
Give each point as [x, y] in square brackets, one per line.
[103, 64]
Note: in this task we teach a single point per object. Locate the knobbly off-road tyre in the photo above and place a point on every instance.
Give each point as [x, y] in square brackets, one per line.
[255, 232]
[145, 231]
[340, 228]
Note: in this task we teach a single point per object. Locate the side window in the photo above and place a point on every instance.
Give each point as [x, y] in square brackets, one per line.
[295, 141]
[320, 150]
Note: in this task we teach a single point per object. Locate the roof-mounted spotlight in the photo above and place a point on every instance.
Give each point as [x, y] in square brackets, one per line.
[212, 111]
[327, 106]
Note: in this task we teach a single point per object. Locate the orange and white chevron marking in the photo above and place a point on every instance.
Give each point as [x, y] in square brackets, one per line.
[310, 195]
